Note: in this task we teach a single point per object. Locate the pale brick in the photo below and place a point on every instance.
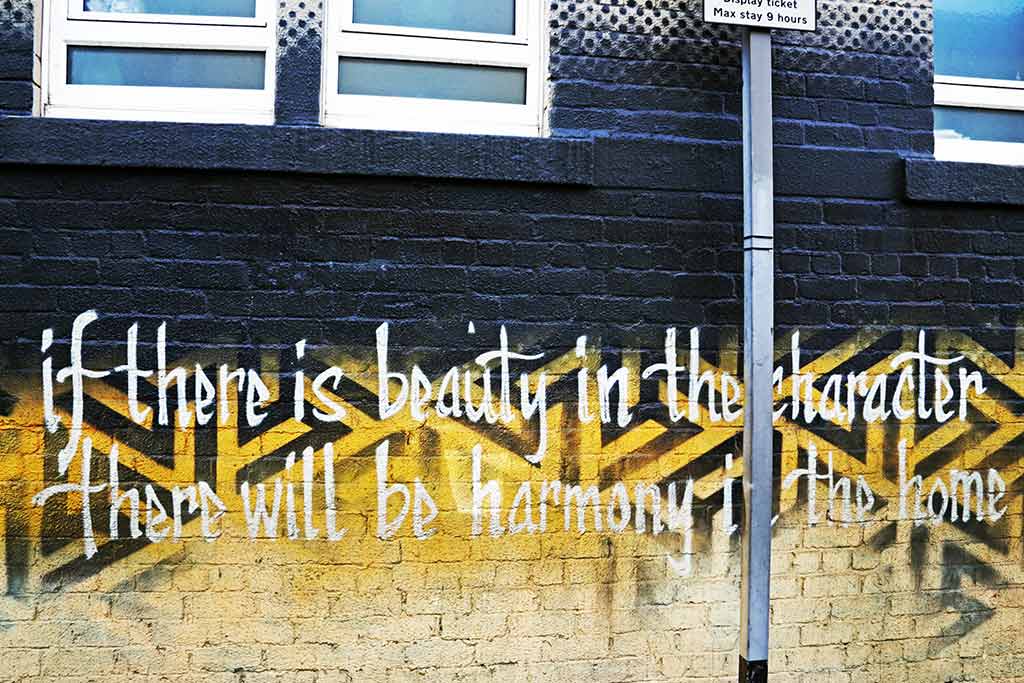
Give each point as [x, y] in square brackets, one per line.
[799, 610]
[474, 626]
[824, 586]
[66, 661]
[808, 562]
[541, 623]
[216, 658]
[437, 652]
[19, 664]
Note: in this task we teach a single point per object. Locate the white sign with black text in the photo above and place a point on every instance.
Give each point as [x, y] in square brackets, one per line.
[798, 15]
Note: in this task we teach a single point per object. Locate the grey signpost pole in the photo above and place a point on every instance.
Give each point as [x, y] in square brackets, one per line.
[758, 351]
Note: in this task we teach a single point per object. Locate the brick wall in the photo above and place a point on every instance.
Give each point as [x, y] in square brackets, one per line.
[241, 265]
[862, 80]
[17, 57]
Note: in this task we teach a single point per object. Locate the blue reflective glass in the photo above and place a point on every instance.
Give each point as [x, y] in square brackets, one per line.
[201, 8]
[980, 38]
[980, 124]
[481, 16]
[166, 68]
[395, 78]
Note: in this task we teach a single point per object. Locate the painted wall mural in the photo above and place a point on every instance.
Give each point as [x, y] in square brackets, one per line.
[515, 483]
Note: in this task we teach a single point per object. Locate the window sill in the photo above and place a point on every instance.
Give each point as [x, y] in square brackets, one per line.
[130, 144]
[933, 180]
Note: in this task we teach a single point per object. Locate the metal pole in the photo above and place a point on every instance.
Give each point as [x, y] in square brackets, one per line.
[758, 352]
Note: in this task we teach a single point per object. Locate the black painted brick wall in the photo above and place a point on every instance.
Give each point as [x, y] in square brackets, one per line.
[263, 259]
[256, 258]
[863, 80]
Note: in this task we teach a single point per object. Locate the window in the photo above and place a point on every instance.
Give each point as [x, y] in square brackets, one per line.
[458, 66]
[979, 80]
[169, 60]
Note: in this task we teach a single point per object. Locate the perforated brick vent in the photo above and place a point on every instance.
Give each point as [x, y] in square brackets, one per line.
[16, 17]
[299, 25]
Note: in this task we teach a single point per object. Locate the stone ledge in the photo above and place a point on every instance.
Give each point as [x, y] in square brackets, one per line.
[931, 180]
[130, 144]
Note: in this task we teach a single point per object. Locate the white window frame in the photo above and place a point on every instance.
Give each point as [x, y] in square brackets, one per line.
[979, 93]
[67, 24]
[526, 49]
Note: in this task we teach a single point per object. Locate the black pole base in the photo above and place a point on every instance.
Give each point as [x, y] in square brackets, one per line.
[753, 672]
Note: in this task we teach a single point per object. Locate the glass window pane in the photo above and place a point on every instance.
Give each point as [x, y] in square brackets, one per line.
[979, 124]
[482, 16]
[980, 38]
[167, 68]
[202, 8]
[394, 78]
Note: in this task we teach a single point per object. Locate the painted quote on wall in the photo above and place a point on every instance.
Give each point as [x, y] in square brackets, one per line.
[535, 405]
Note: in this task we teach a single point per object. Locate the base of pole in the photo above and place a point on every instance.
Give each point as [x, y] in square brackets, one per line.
[753, 672]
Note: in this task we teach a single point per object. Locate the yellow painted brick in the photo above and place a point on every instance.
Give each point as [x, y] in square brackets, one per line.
[785, 636]
[262, 631]
[219, 606]
[806, 562]
[18, 664]
[915, 603]
[784, 677]
[426, 602]
[304, 655]
[32, 634]
[824, 536]
[477, 625]
[816, 659]
[859, 606]
[136, 607]
[799, 610]
[436, 549]
[826, 633]
[226, 658]
[68, 606]
[864, 557]
[509, 600]
[262, 677]
[437, 652]
[691, 666]
[713, 591]
[626, 644]
[835, 560]
[303, 677]
[480, 574]
[859, 654]
[589, 571]
[155, 579]
[565, 546]
[724, 614]
[541, 623]
[930, 671]
[136, 660]
[831, 585]
[889, 652]
[656, 592]
[787, 537]
[405, 629]
[512, 650]
[65, 661]
[168, 662]
[191, 577]
[519, 547]
[512, 574]
[785, 587]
